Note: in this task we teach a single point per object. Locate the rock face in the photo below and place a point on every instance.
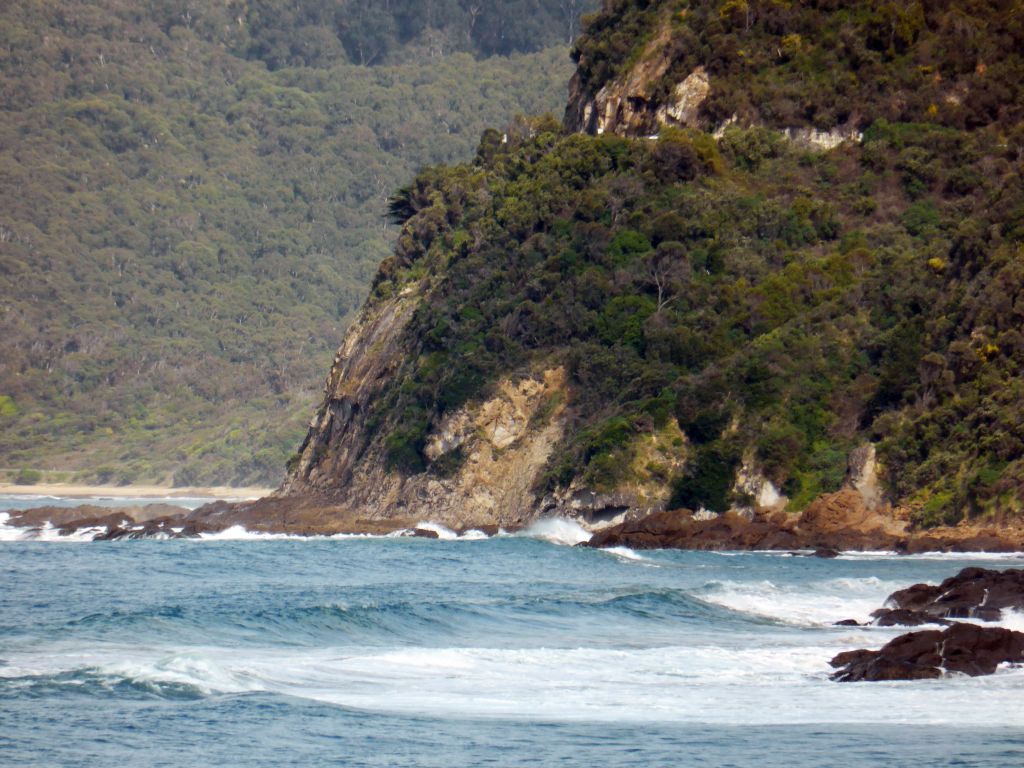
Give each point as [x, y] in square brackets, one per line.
[627, 106]
[862, 476]
[962, 648]
[497, 448]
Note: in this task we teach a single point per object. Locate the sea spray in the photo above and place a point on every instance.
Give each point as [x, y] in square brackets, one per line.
[443, 532]
[557, 530]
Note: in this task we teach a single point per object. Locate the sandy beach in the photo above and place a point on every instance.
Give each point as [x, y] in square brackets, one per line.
[72, 490]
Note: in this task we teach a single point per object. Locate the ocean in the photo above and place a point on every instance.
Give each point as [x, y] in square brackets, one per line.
[506, 651]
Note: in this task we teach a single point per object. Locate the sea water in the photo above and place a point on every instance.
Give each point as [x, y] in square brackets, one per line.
[468, 651]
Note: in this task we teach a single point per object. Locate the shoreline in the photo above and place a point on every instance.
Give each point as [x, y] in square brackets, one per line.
[81, 491]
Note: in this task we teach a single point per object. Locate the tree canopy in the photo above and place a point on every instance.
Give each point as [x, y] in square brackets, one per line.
[187, 223]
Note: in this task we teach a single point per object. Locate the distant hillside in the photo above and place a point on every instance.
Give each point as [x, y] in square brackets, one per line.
[191, 207]
[686, 306]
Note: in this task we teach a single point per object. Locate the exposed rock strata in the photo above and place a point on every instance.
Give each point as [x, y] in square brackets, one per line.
[626, 106]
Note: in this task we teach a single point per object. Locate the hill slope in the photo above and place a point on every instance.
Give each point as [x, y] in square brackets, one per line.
[191, 209]
[744, 319]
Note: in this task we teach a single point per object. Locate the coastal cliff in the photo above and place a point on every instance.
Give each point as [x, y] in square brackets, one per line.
[694, 296]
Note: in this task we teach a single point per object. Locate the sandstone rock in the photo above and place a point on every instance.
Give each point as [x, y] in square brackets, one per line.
[962, 648]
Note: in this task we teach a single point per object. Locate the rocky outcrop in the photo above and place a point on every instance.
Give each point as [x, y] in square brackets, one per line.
[862, 476]
[822, 141]
[974, 593]
[371, 353]
[962, 648]
[68, 520]
[627, 106]
[751, 484]
[494, 449]
[839, 521]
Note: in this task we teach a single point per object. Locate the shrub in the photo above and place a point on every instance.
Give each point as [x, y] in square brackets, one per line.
[708, 480]
[28, 477]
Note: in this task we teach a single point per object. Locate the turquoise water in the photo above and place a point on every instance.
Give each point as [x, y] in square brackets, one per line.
[505, 651]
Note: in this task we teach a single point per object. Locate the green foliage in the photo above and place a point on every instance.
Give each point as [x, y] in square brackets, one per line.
[7, 407]
[186, 235]
[757, 303]
[313, 33]
[709, 481]
[789, 64]
[28, 477]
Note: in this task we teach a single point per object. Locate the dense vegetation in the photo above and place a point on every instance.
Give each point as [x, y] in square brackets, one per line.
[773, 302]
[191, 207]
[316, 33]
[824, 63]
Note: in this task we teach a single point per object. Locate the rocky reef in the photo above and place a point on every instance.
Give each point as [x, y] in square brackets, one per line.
[834, 522]
[977, 594]
[960, 649]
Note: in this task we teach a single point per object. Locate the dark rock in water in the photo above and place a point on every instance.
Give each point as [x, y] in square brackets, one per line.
[901, 617]
[820, 552]
[165, 527]
[425, 533]
[846, 623]
[964, 648]
[974, 593]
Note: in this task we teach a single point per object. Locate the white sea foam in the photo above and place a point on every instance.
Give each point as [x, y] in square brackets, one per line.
[46, 532]
[628, 554]
[1013, 620]
[441, 531]
[704, 683]
[241, 533]
[557, 530]
[810, 604]
[940, 556]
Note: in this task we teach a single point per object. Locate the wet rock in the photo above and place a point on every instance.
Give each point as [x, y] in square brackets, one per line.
[425, 533]
[962, 648]
[974, 593]
[900, 617]
[847, 623]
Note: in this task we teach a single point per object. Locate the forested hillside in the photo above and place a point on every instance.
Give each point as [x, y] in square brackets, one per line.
[727, 298]
[191, 207]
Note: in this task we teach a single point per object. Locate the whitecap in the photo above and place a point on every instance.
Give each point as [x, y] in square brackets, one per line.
[441, 531]
[626, 553]
[809, 604]
[703, 683]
